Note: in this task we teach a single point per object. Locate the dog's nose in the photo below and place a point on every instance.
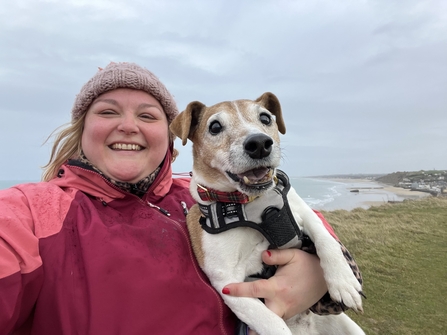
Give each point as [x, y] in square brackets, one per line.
[258, 146]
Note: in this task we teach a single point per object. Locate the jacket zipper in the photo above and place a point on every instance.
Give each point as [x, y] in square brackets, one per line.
[164, 211]
[184, 233]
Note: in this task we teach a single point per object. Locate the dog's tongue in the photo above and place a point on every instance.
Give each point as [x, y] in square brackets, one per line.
[255, 174]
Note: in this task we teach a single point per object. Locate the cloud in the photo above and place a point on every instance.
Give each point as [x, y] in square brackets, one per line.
[362, 84]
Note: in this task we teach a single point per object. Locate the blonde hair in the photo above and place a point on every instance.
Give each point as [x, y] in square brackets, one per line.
[68, 145]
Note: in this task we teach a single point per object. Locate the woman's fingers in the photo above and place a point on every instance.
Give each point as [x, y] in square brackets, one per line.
[261, 288]
[278, 257]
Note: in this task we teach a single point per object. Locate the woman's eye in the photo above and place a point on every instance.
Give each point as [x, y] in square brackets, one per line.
[107, 112]
[265, 119]
[147, 116]
[215, 128]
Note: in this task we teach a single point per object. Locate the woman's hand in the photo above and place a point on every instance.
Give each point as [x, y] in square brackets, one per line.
[296, 286]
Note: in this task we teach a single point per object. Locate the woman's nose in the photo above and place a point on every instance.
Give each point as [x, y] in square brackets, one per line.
[128, 125]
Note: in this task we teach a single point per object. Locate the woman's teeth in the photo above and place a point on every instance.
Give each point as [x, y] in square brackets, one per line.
[122, 146]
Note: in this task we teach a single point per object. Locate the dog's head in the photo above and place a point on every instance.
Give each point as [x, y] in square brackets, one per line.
[235, 143]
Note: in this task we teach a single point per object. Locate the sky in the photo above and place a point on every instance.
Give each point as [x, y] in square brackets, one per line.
[362, 83]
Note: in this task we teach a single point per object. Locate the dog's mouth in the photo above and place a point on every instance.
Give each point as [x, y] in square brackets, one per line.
[256, 178]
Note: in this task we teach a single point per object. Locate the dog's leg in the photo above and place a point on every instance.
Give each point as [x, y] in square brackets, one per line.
[258, 317]
[312, 324]
[231, 257]
[341, 282]
[336, 325]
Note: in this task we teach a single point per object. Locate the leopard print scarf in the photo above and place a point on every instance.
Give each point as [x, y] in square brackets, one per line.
[139, 188]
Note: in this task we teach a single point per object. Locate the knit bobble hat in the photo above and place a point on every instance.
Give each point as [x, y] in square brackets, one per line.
[123, 75]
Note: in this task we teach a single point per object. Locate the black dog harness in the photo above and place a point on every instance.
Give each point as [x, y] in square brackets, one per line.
[269, 214]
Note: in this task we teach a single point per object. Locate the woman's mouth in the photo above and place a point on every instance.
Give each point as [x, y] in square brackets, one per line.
[125, 146]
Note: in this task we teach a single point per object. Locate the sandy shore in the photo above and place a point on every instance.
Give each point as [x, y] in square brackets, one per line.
[400, 192]
[380, 192]
[405, 193]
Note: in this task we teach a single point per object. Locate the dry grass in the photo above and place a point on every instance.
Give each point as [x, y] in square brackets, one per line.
[401, 249]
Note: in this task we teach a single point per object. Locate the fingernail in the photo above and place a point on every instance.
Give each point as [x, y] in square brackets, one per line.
[226, 290]
[269, 253]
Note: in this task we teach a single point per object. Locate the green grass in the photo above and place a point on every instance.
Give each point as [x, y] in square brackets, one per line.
[401, 250]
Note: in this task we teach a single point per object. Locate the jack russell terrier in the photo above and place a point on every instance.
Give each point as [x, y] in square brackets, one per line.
[246, 205]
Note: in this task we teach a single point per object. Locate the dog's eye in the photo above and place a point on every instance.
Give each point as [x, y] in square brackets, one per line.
[215, 127]
[265, 119]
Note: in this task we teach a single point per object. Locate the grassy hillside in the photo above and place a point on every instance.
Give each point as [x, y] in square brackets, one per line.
[402, 252]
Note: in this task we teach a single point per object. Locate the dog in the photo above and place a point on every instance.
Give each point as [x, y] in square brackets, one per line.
[237, 184]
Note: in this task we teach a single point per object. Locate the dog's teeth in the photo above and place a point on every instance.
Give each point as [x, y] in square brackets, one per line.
[246, 180]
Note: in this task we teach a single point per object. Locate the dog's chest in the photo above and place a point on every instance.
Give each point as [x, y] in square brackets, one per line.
[238, 249]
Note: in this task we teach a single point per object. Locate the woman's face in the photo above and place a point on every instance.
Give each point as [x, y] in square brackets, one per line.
[125, 134]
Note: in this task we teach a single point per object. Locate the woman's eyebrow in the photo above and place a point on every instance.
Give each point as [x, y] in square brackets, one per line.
[110, 101]
[147, 105]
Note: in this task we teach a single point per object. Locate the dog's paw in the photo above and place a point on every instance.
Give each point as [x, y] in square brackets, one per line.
[342, 284]
[347, 290]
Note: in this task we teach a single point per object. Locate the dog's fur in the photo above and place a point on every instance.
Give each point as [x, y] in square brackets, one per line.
[219, 134]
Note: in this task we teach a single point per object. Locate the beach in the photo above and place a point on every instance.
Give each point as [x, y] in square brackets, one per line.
[332, 193]
[375, 194]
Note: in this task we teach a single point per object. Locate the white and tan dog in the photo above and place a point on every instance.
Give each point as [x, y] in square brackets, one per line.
[236, 151]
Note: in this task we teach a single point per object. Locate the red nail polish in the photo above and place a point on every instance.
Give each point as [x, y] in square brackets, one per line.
[269, 253]
[226, 290]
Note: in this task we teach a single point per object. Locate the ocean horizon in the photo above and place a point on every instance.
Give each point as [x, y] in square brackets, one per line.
[319, 194]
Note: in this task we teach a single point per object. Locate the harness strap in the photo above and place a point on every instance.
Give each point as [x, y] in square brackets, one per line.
[269, 214]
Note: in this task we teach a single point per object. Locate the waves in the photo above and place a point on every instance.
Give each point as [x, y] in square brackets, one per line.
[319, 201]
[318, 194]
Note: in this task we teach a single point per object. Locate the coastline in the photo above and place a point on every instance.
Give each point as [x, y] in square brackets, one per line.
[379, 192]
[331, 193]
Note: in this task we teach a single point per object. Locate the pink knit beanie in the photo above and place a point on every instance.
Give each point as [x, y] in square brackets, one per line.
[123, 75]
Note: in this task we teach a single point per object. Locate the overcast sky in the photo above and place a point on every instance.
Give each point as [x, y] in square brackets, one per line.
[362, 84]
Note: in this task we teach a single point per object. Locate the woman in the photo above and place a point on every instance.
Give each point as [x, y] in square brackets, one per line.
[101, 247]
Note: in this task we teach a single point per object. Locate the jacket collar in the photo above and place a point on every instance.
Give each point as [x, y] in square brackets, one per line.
[94, 184]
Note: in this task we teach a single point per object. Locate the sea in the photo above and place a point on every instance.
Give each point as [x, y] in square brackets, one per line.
[319, 194]
[329, 195]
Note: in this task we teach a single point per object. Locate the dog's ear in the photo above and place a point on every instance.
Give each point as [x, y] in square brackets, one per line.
[271, 103]
[186, 122]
